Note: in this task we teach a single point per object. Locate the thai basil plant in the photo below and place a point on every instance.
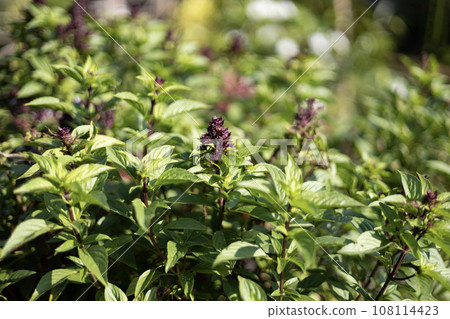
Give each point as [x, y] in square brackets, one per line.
[117, 185]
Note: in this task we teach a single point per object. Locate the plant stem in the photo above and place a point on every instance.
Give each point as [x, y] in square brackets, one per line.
[72, 219]
[78, 236]
[404, 278]
[392, 274]
[221, 211]
[150, 230]
[283, 255]
[145, 191]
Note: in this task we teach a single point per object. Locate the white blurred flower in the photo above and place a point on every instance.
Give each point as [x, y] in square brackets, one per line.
[287, 48]
[320, 42]
[269, 9]
[342, 46]
[398, 86]
[111, 8]
[268, 34]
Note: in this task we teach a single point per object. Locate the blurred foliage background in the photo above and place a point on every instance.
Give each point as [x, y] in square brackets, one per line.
[384, 82]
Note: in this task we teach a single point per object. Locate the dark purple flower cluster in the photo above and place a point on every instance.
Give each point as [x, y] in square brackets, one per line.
[159, 80]
[305, 115]
[218, 138]
[64, 135]
[431, 198]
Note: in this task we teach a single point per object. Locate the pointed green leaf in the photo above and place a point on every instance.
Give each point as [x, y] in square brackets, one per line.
[114, 293]
[25, 232]
[85, 172]
[175, 175]
[411, 186]
[250, 290]
[37, 185]
[52, 279]
[182, 106]
[144, 281]
[174, 253]
[95, 259]
[187, 283]
[239, 250]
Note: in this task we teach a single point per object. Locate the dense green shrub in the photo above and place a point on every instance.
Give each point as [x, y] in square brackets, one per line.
[115, 187]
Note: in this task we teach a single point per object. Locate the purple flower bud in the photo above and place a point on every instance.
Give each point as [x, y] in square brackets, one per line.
[305, 115]
[64, 135]
[218, 137]
[159, 80]
[431, 198]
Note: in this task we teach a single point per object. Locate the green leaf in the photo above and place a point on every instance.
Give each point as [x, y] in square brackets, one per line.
[325, 241]
[143, 214]
[100, 141]
[250, 290]
[278, 177]
[425, 184]
[133, 100]
[440, 235]
[411, 241]
[53, 103]
[25, 232]
[44, 163]
[15, 277]
[187, 283]
[218, 240]
[66, 246]
[52, 279]
[366, 243]
[437, 273]
[294, 177]
[330, 199]
[150, 295]
[239, 250]
[174, 253]
[124, 161]
[439, 166]
[391, 215]
[37, 185]
[181, 106]
[70, 72]
[85, 172]
[262, 214]
[186, 223]
[97, 198]
[114, 293]
[95, 259]
[144, 281]
[411, 186]
[306, 245]
[30, 89]
[175, 175]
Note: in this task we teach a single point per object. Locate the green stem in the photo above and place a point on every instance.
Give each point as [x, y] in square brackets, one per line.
[392, 274]
[283, 255]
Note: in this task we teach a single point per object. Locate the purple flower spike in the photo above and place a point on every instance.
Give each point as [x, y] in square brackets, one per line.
[305, 115]
[159, 80]
[218, 137]
[64, 135]
[431, 198]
